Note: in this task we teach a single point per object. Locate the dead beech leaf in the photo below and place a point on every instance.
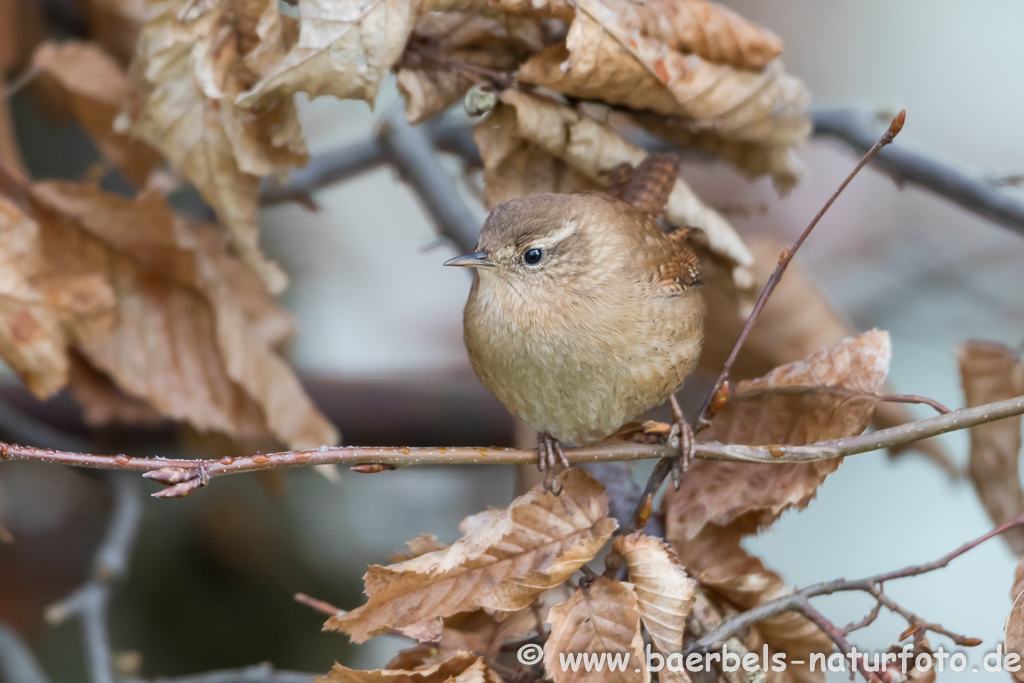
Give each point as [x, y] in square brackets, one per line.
[505, 559]
[344, 49]
[159, 306]
[1013, 633]
[604, 617]
[992, 372]
[665, 594]
[553, 9]
[753, 159]
[606, 60]
[97, 88]
[10, 153]
[591, 149]
[189, 69]
[828, 395]
[715, 33]
[32, 340]
[461, 667]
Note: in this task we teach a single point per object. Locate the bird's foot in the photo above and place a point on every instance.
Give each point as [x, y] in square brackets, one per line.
[682, 431]
[549, 455]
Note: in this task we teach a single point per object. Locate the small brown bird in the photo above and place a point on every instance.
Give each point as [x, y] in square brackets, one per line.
[583, 314]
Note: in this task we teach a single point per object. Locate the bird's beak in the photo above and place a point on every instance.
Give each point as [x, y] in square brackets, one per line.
[477, 260]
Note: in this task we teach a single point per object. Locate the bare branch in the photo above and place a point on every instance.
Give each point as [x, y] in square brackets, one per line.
[835, 634]
[17, 663]
[184, 476]
[858, 126]
[89, 603]
[871, 585]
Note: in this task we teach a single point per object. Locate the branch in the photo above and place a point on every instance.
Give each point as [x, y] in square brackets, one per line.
[17, 663]
[854, 126]
[89, 603]
[260, 673]
[184, 476]
[985, 197]
[871, 585]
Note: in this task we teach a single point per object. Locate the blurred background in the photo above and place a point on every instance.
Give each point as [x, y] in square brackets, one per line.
[380, 347]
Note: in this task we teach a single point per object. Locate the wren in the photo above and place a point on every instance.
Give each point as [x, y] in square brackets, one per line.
[583, 314]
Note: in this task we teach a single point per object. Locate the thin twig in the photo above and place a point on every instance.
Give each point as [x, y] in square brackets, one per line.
[318, 605]
[89, 603]
[17, 663]
[835, 634]
[661, 470]
[866, 621]
[871, 585]
[183, 476]
[18, 83]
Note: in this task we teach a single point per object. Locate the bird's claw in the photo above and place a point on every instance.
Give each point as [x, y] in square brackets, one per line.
[682, 431]
[549, 455]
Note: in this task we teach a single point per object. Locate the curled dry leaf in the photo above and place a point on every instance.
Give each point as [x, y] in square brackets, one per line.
[603, 617]
[461, 667]
[606, 59]
[665, 594]
[591, 149]
[797, 321]
[992, 372]
[448, 52]
[344, 49]
[189, 68]
[97, 88]
[715, 33]
[157, 305]
[828, 395]
[505, 559]
[753, 159]
[1013, 638]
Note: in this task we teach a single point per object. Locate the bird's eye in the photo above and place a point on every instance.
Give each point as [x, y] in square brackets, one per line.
[533, 256]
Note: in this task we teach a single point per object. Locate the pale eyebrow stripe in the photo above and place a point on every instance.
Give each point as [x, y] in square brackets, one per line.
[568, 228]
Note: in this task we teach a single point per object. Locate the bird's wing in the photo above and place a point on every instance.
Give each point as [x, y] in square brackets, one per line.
[678, 269]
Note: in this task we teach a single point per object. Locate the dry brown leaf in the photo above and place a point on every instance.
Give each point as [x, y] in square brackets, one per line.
[591, 149]
[665, 594]
[753, 159]
[554, 9]
[505, 559]
[97, 89]
[114, 24]
[462, 667]
[10, 153]
[344, 49]
[32, 340]
[445, 51]
[797, 321]
[718, 562]
[190, 68]
[1013, 633]
[826, 396]
[102, 401]
[157, 305]
[483, 632]
[603, 617]
[992, 372]
[605, 60]
[703, 28]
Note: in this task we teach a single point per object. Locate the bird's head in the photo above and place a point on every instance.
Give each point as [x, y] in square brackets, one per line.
[544, 240]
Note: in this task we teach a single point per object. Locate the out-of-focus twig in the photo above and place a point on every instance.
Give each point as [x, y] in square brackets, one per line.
[411, 151]
[89, 603]
[858, 128]
[17, 663]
